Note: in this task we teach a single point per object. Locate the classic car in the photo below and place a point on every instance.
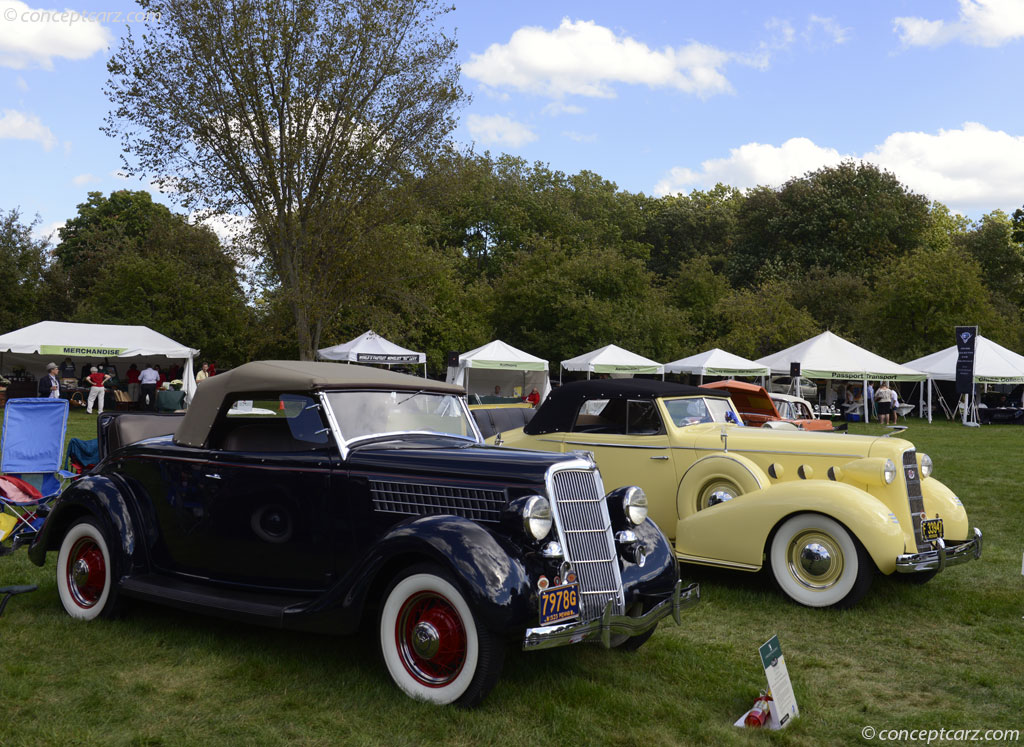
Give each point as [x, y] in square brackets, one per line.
[312, 496]
[758, 408]
[824, 511]
[802, 388]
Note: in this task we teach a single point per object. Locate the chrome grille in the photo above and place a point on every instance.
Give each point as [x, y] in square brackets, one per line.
[581, 516]
[914, 496]
[418, 499]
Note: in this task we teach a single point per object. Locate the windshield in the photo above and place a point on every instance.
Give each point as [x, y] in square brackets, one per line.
[693, 410]
[364, 414]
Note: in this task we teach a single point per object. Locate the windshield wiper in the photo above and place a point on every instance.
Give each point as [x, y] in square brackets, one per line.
[414, 394]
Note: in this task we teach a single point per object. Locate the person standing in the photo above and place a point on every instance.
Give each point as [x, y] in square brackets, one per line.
[97, 390]
[895, 405]
[147, 382]
[49, 385]
[883, 403]
[204, 373]
[133, 382]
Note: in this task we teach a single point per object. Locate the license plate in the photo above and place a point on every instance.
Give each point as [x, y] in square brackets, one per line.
[931, 529]
[559, 603]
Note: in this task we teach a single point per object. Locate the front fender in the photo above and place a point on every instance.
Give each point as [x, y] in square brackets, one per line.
[94, 495]
[735, 533]
[489, 568]
[940, 501]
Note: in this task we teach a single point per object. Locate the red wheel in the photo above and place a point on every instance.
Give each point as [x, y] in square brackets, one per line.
[84, 572]
[433, 645]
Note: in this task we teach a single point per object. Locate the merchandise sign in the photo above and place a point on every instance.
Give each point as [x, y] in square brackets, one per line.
[92, 352]
[965, 339]
[783, 703]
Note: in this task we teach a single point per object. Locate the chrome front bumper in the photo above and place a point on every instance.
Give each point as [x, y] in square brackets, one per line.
[608, 625]
[941, 556]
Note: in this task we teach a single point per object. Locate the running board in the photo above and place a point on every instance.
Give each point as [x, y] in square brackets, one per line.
[247, 606]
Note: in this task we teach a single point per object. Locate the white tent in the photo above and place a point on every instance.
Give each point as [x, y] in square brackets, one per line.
[38, 344]
[717, 362]
[993, 364]
[371, 348]
[829, 356]
[611, 359]
[499, 364]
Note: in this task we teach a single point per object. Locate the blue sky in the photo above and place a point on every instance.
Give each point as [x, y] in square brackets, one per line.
[658, 97]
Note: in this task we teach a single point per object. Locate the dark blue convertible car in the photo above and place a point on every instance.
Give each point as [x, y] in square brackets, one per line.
[312, 496]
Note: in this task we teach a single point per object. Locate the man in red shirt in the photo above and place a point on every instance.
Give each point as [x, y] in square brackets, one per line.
[96, 391]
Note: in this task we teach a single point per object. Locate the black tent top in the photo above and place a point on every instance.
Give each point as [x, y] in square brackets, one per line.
[559, 410]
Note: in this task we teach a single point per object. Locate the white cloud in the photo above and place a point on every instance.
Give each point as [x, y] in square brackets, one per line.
[48, 231]
[21, 84]
[580, 137]
[585, 59]
[829, 27]
[985, 23]
[32, 37]
[969, 169]
[555, 108]
[17, 125]
[498, 130]
[83, 179]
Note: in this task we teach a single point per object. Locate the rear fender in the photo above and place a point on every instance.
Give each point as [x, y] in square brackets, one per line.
[96, 496]
[734, 468]
[735, 533]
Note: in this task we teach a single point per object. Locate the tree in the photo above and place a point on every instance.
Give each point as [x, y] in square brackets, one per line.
[679, 227]
[990, 241]
[762, 320]
[297, 114]
[23, 259]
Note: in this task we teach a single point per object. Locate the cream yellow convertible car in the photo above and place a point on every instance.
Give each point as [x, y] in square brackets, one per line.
[825, 511]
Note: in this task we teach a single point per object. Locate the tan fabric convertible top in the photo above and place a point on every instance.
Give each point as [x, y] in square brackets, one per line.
[288, 376]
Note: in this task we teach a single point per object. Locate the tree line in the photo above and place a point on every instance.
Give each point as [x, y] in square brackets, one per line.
[471, 247]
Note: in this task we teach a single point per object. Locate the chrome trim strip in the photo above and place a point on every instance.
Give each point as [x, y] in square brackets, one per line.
[941, 556]
[618, 446]
[683, 558]
[609, 624]
[770, 451]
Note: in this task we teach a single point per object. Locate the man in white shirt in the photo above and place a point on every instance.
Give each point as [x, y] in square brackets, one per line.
[147, 381]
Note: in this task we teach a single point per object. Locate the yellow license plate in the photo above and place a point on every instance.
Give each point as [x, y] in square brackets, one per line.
[559, 603]
[931, 529]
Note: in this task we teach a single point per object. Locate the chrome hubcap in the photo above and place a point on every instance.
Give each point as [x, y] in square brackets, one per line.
[815, 559]
[80, 572]
[425, 640]
[719, 496]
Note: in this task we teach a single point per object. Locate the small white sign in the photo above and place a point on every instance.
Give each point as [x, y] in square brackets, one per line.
[783, 702]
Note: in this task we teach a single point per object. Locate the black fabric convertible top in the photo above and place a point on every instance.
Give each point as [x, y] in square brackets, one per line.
[559, 410]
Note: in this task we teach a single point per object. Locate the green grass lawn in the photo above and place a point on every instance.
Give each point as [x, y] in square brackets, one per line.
[949, 654]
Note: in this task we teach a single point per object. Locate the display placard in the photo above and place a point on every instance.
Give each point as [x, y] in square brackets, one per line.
[965, 342]
[794, 369]
[783, 703]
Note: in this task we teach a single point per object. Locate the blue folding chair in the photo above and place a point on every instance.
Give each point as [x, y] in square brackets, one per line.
[31, 451]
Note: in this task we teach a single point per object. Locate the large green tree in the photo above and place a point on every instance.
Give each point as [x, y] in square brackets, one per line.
[23, 259]
[297, 114]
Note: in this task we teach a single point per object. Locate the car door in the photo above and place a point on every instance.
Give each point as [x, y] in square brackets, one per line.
[264, 514]
[631, 447]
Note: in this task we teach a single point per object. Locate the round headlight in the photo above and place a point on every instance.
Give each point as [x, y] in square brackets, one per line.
[634, 505]
[926, 465]
[537, 517]
[890, 472]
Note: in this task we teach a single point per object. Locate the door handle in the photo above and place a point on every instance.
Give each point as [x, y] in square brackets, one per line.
[659, 457]
[212, 475]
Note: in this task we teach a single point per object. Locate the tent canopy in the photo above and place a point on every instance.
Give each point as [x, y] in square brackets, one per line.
[499, 364]
[371, 348]
[43, 342]
[611, 359]
[829, 356]
[993, 364]
[717, 362]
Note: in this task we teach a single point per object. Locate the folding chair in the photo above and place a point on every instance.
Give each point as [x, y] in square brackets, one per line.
[31, 453]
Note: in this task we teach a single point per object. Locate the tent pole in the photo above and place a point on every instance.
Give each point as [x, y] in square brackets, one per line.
[864, 396]
[930, 384]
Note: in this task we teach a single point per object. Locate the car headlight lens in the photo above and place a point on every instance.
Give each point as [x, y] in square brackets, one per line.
[889, 472]
[926, 465]
[634, 505]
[537, 517]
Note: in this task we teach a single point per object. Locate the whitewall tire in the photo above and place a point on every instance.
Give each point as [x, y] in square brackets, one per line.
[433, 645]
[818, 563]
[85, 572]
